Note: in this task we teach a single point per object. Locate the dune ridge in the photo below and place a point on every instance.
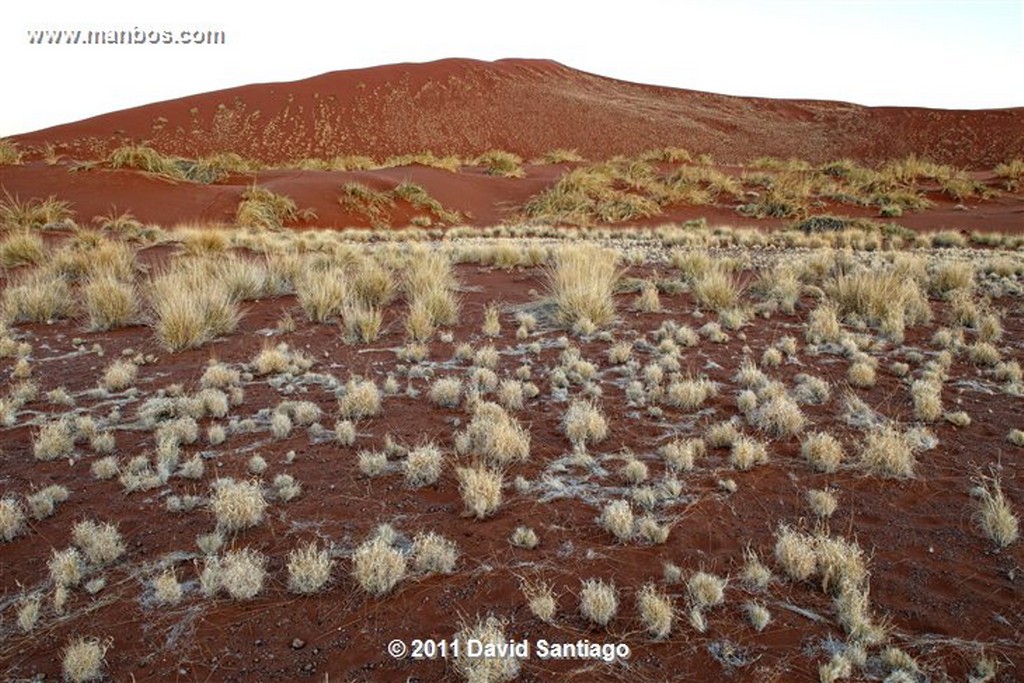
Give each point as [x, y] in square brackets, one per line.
[464, 107]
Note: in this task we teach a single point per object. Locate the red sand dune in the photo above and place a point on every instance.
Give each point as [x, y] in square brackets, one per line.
[529, 107]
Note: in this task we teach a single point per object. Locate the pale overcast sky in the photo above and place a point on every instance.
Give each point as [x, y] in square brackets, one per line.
[935, 53]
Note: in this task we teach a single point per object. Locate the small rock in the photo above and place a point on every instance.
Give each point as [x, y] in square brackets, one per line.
[298, 644]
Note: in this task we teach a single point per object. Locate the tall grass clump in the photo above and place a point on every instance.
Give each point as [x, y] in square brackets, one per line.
[189, 308]
[582, 282]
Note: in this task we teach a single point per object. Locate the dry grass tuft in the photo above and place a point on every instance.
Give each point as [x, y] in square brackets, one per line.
[481, 490]
[887, 452]
[823, 452]
[242, 573]
[583, 423]
[542, 601]
[495, 436]
[582, 282]
[423, 465]
[656, 611]
[361, 399]
[995, 516]
[705, 590]
[12, 519]
[433, 553]
[377, 566]
[617, 519]
[309, 569]
[82, 660]
[795, 553]
[101, 543]
[599, 601]
[237, 505]
[489, 633]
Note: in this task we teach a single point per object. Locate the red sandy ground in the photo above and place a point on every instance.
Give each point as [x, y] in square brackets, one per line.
[945, 593]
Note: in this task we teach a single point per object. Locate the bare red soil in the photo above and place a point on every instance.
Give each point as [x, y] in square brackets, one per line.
[529, 107]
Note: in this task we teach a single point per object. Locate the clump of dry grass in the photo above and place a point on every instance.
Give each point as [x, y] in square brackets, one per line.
[995, 516]
[54, 440]
[583, 423]
[377, 566]
[495, 436]
[65, 567]
[823, 452]
[582, 282]
[237, 505]
[717, 289]
[758, 615]
[887, 452]
[82, 659]
[780, 416]
[433, 553]
[120, 375]
[22, 248]
[617, 519]
[481, 490]
[190, 308]
[524, 537]
[599, 601]
[681, 454]
[755, 574]
[323, 295]
[542, 601]
[492, 669]
[309, 569]
[12, 519]
[166, 588]
[795, 553]
[110, 302]
[656, 611]
[361, 399]
[423, 465]
[242, 573]
[747, 452]
[43, 503]
[927, 397]
[37, 296]
[101, 543]
[261, 208]
[705, 590]
[690, 394]
[822, 502]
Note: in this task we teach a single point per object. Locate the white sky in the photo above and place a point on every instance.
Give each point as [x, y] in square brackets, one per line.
[936, 53]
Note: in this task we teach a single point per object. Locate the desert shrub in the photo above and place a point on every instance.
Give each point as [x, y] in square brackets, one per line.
[446, 392]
